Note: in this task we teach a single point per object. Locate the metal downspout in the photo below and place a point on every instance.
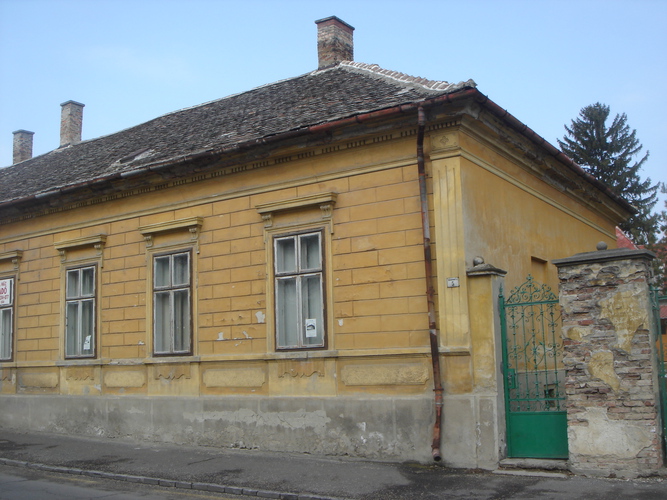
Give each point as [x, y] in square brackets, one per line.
[430, 292]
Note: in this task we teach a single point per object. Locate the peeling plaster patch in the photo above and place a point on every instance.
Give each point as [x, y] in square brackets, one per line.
[601, 366]
[376, 435]
[246, 334]
[300, 419]
[234, 377]
[628, 312]
[221, 336]
[126, 378]
[40, 380]
[385, 374]
[261, 317]
[577, 333]
[362, 426]
[604, 437]
[340, 322]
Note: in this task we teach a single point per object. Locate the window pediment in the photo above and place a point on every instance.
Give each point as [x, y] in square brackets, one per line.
[190, 224]
[325, 201]
[15, 257]
[96, 241]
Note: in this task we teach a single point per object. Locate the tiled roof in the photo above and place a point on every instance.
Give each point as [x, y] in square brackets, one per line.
[321, 96]
[623, 241]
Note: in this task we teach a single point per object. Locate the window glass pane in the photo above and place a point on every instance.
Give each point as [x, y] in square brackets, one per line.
[182, 320]
[311, 297]
[5, 333]
[88, 281]
[161, 274]
[181, 269]
[87, 326]
[285, 255]
[310, 251]
[72, 283]
[287, 313]
[71, 328]
[162, 322]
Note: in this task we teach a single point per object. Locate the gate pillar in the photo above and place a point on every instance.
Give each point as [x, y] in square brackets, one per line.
[484, 283]
[610, 363]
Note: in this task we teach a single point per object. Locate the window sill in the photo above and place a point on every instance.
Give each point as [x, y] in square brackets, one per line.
[175, 358]
[79, 362]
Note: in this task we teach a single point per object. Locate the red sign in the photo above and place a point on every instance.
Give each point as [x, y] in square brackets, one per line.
[6, 292]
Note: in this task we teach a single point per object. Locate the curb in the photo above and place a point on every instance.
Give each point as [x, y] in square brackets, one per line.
[167, 483]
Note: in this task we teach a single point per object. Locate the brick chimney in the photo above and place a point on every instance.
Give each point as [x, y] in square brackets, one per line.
[71, 122]
[22, 145]
[334, 42]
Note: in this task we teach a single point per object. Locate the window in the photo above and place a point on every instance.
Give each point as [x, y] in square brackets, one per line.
[80, 312]
[171, 304]
[299, 291]
[6, 318]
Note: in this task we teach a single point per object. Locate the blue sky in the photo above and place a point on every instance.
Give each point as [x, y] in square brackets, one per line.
[129, 61]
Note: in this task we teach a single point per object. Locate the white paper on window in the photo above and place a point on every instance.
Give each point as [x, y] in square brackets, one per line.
[311, 327]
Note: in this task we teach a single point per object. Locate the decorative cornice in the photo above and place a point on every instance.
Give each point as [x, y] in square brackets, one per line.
[97, 241]
[325, 201]
[232, 195]
[192, 224]
[220, 171]
[15, 257]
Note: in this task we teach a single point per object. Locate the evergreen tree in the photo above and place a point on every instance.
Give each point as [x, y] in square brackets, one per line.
[660, 248]
[608, 153]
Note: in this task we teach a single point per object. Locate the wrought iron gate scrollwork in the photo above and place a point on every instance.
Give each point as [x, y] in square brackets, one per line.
[534, 371]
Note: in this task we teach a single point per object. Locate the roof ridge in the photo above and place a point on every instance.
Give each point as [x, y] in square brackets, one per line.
[405, 78]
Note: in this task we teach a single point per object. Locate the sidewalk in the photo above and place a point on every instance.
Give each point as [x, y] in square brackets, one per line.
[291, 476]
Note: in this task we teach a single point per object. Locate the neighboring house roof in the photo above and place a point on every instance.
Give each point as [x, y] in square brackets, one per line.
[624, 241]
[345, 90]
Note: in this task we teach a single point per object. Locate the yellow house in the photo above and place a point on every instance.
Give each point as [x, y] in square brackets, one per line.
[285, 268]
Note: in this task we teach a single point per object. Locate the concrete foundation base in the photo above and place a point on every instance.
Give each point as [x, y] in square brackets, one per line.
[472, 437]
[385, 429]
[396, 429]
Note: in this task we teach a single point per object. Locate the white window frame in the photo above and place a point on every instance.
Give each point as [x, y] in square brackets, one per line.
[6, 319]
[299, 275]
[170, 291]
[80, 309]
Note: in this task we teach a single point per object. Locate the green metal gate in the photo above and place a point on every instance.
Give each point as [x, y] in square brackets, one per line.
[534, 376]
[658, 329]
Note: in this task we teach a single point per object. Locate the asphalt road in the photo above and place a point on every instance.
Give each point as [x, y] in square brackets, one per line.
[50, 466]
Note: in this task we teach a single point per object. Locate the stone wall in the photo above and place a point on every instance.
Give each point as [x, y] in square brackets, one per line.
[612, 395]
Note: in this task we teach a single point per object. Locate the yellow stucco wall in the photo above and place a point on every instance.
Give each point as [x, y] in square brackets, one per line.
[485, 201]
[490, 201]
[376, 304]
